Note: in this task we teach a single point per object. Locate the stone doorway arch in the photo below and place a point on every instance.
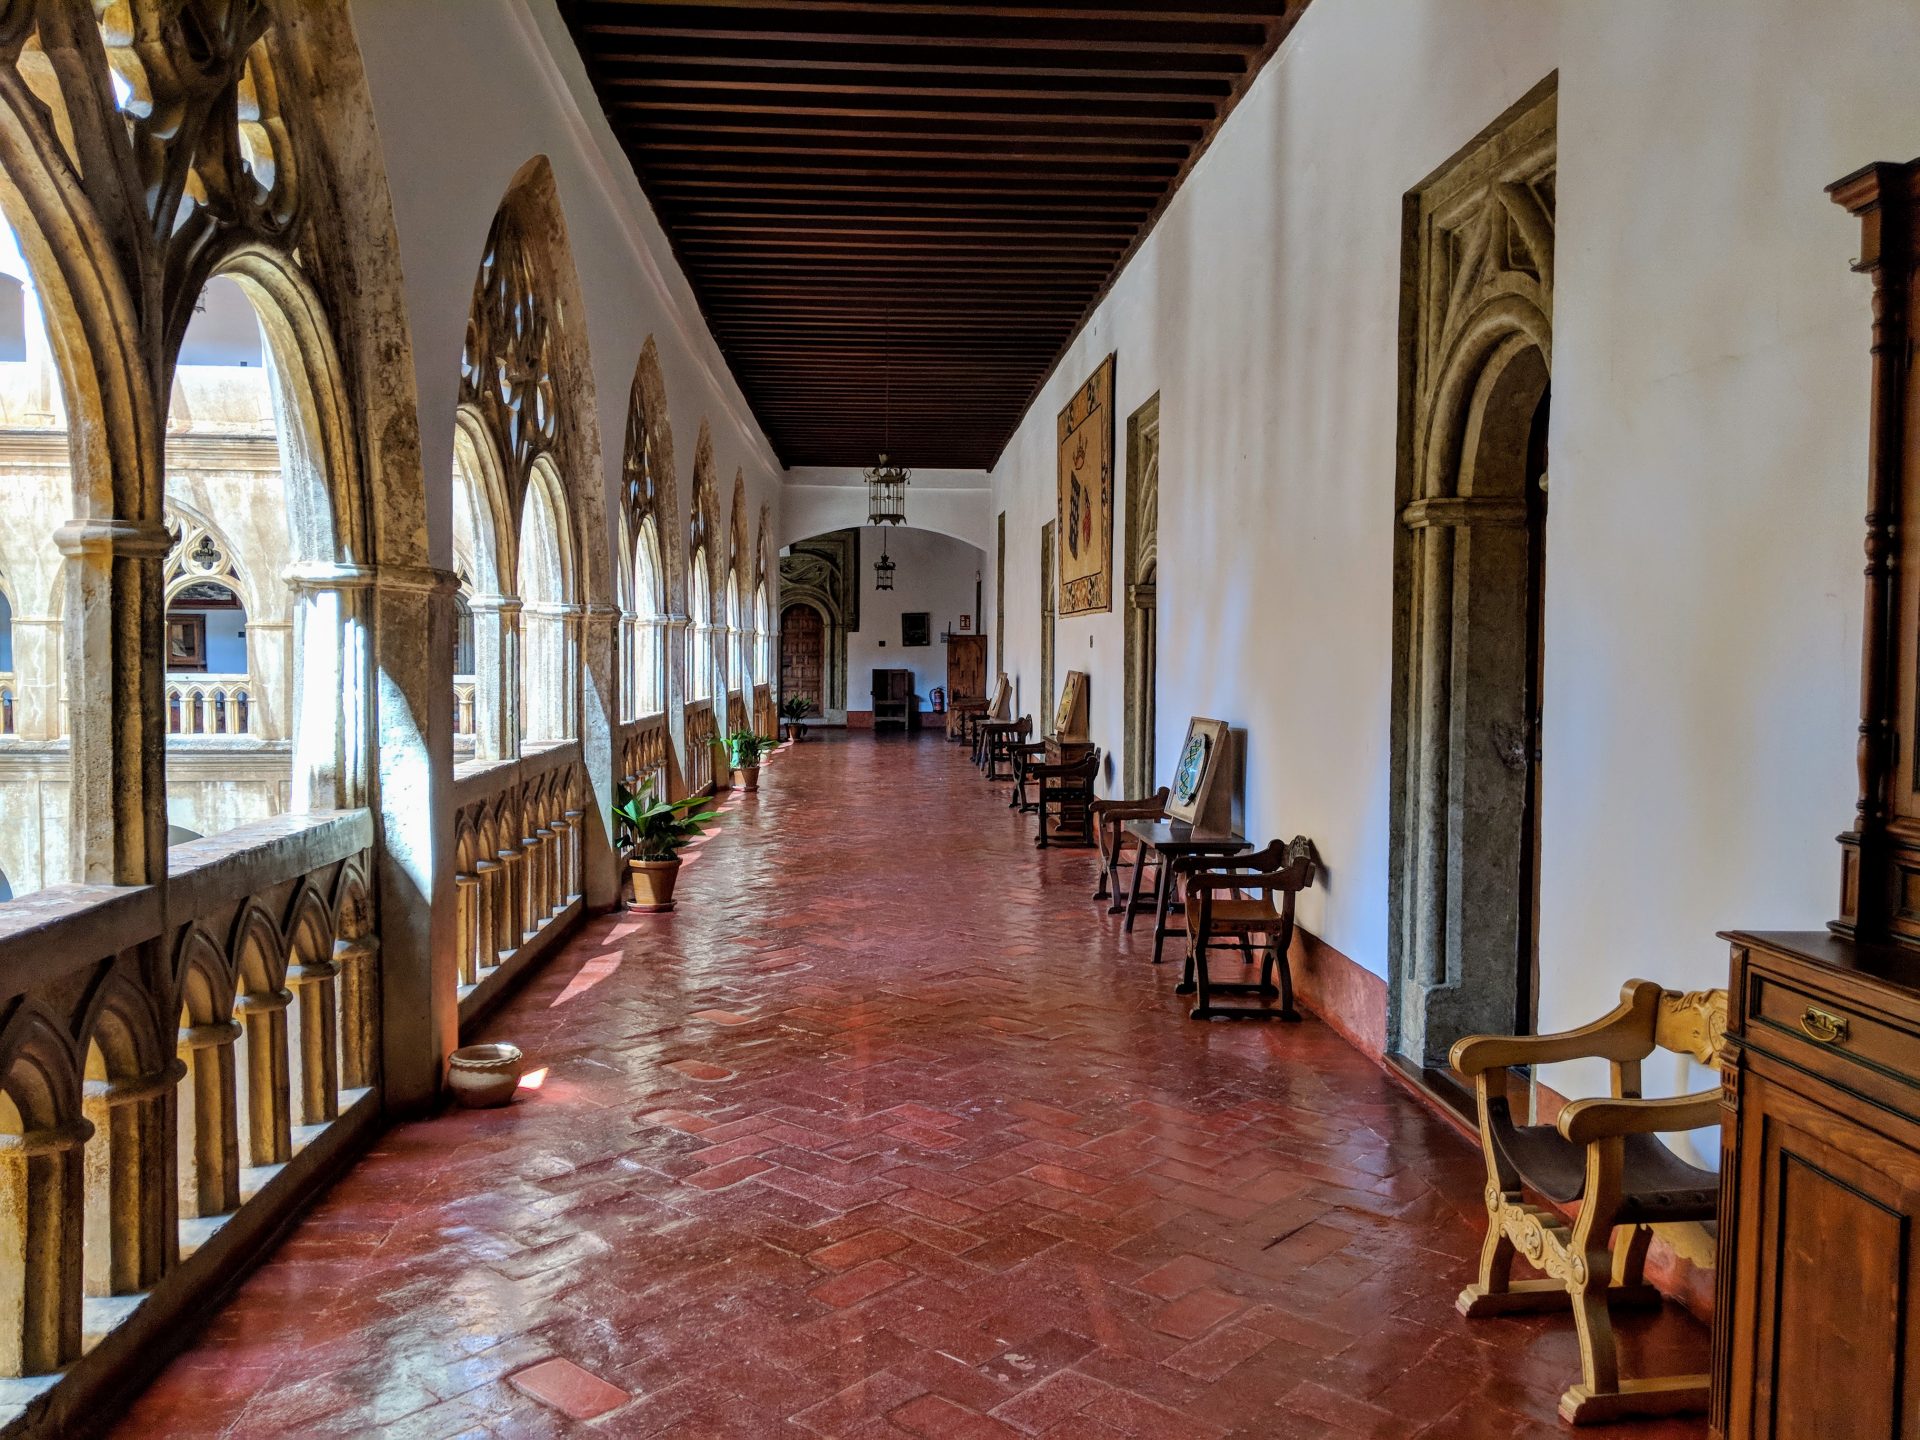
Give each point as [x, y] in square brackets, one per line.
[1469, 559]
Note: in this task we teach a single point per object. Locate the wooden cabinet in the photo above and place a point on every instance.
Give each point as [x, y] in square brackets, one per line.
[1820, 1270]
[966, 669]
[1818, 1325]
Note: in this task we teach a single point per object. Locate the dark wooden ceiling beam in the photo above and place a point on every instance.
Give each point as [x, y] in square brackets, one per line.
[750, 54]
[896, 214]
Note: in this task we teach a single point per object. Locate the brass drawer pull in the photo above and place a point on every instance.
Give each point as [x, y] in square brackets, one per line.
[1825, 1028]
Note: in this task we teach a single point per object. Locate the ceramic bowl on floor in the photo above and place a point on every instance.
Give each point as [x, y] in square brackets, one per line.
[483, 1076]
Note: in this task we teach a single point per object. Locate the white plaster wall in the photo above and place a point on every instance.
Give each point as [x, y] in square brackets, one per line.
[465, 92]
[1708, 442]
[936, 574]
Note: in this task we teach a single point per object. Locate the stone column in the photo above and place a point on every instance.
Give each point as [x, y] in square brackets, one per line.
[40, 1287]
[466, 906]
[549, 873]
[269, 1118]
[209, 1149]
[411, 996]
[598, 879]
[486, 918]
[37, 645]
[674, 639]
[140, 1211]
[312, 982]
[271, 673]
[496, 676]
[331, 685]
[116, 683]
[359, 1030]
[508, 929]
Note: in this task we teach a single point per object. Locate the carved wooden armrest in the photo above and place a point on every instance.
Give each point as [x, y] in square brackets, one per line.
[1624, 1034]
[1154, 807]
[1588, 1120]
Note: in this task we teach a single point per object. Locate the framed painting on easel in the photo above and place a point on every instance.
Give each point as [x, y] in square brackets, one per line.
[1085, 524]
[1201, 793]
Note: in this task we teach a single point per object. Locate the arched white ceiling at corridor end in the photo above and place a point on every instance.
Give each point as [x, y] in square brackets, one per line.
[951, 502]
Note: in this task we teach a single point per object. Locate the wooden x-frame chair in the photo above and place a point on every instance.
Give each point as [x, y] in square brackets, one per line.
[1603, 1156]
[1230, 899]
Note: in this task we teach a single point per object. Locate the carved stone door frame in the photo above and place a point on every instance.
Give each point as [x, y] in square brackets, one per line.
[1140, 663]
[1049, 609]
[1476, 335]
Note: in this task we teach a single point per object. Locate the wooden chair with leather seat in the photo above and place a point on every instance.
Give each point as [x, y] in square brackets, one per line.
[1109, 834]
[1230, 900]
[1603, 1158]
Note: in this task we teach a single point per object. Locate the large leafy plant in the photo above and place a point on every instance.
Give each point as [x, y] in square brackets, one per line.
[744, 748]
[795, 708]
[656, 829]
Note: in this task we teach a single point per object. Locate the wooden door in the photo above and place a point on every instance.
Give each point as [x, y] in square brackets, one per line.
[803, 655]
[966, 668]
[1826, 1341]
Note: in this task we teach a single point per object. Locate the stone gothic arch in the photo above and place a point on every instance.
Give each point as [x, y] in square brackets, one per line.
[527, 378]
[124, 213]
[1477, 341]
[649, 541]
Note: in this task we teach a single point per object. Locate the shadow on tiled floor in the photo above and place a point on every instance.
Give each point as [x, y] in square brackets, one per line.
[888, 1131]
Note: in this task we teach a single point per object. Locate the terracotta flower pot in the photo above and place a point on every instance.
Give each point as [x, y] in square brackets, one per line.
[795, 731]
[484, 1076]
[653, 882]
[746, 777]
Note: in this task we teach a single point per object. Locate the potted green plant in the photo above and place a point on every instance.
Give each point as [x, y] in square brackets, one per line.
[653, 832]
[793, 710]
[744, 749]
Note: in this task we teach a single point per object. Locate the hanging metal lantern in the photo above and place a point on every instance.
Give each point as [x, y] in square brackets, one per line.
[887, 493]
[883, 568]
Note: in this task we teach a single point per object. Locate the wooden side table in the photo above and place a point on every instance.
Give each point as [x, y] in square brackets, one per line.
[1171, 840]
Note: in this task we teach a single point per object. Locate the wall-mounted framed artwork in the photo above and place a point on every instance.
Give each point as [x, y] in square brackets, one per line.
[1085, 524]
[1200, 792]
[916, 627]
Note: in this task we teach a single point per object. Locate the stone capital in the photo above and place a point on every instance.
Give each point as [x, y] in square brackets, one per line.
[135, 539]
[1454, 511]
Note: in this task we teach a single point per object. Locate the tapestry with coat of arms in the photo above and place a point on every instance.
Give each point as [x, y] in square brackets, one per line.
[1086, 496]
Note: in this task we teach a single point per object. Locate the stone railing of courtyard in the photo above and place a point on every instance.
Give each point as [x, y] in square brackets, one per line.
[208, 704]
[645, 752]
[701, 732]
[517, 863]
[185, 1064]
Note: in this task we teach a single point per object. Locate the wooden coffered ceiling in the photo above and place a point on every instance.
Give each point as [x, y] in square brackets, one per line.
[929, 197]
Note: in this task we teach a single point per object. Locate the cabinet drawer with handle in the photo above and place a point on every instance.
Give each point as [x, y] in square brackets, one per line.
[1818, 1032]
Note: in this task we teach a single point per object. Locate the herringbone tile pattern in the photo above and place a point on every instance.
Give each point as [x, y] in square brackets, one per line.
[889, 1132]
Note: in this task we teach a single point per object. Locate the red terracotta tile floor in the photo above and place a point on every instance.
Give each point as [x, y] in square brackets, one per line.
[889, 1131]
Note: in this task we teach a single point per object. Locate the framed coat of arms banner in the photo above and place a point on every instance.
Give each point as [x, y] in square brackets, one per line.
[1086, 496]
